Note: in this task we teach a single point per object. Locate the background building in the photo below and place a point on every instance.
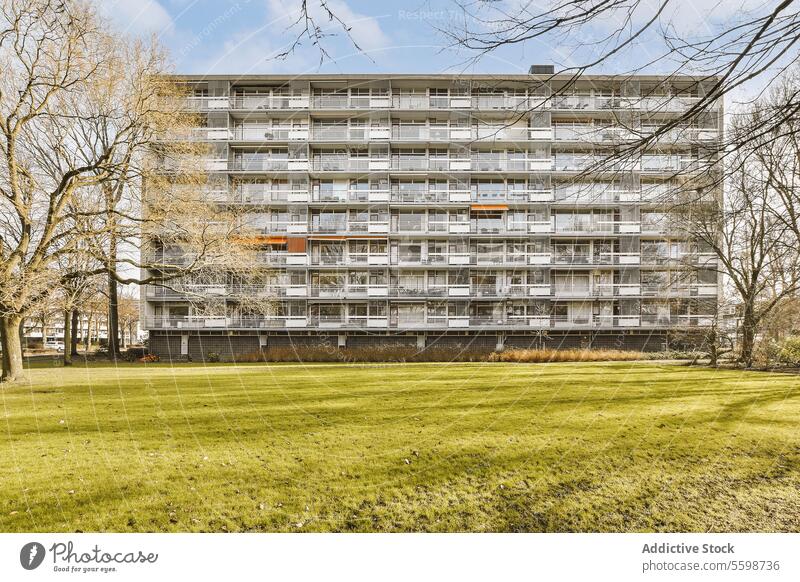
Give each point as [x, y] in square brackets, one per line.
[452, 210]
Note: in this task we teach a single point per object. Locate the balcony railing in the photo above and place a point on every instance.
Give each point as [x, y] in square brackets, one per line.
[349, 290]
[418, 101]
[341, 196]
[598, 103]
[428, 164]
[254, 102]
[344, 164]
[266, 133]
[430, 321]
[269, 164]
[349, 133]
[206, 103]
[265, 194]
[597, 226]
[449, 134]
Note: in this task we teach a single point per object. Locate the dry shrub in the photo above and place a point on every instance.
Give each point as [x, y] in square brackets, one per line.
[325, 353]
[365, 354]
[566, 355]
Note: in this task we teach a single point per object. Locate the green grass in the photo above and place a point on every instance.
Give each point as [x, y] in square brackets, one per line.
[423, 447]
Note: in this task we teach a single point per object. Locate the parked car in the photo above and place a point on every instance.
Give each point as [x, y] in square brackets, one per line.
[54, 345]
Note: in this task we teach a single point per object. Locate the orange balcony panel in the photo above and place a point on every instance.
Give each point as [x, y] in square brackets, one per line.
[496, 207]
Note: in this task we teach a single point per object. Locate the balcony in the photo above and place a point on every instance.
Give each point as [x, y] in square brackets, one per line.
[587, 102]
[350, 291]
[420, 101]
[458, 291]
[478, 164]
[507, 102]
[352, 195]
[272, 258]
[679, 290]
[655, 164]
[268, 102]
[445, 134]
[596, 226]
[487, 290]
[418, 132]
[616, 290]
[676, 320]
[264, 194]
[539, 258]
[683, 134]
[423, 196]
[345, 101]
[590, 133]
[562, 322]
[269, 165]
[266, 133]
[656, 227]
[200, 134]
[372, 259]
[349, 164]
[205, 103]
[666, 103]
[598, 258]
[296, 259]
[540, 227]
[349, 133]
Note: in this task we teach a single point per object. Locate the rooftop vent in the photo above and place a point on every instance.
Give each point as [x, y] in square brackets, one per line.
[542, 70]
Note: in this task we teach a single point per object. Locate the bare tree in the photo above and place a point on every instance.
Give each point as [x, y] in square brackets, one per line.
[49, 50]
[752, 44]
[753, 242]
[128, 316]
[87, 128]
[316, 21]
[136, 108]
[76, 286]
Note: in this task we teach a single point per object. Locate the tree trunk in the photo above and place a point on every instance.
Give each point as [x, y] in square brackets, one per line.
[748, 337]
[67, 337]
[113, 294]
[44, 330]
[12, 348]
[713, 346]
[74, 343]
[87, 338]
[113, 317]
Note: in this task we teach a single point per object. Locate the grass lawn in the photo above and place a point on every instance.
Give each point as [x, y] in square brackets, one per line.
[422, 447]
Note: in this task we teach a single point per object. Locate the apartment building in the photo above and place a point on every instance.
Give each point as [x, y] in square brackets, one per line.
[38, 331]
[478, 210]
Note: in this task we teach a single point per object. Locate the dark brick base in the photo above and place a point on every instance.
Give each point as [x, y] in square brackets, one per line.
[228, 346]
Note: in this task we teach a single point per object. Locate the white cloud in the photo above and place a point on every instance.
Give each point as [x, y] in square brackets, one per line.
[137, 16]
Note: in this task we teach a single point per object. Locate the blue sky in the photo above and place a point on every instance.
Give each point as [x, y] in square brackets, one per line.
[243, 36]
